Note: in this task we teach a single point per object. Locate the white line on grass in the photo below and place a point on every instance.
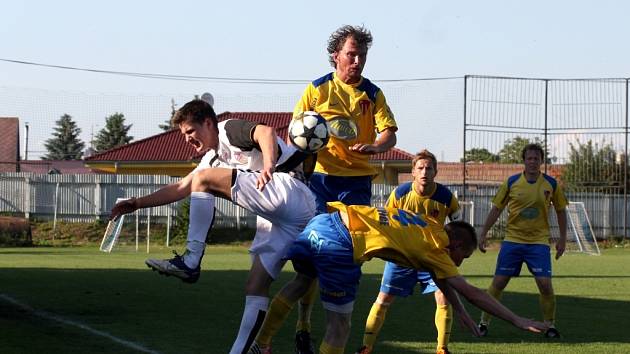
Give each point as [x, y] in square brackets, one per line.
[53, 317]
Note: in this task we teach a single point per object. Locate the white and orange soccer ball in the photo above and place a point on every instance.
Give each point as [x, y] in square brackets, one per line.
[309, 132]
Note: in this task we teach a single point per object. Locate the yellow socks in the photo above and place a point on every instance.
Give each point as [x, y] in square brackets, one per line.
[279, 309]
[443, 323]
[495, 293]
[306, 307]
[548, 307]
[374, 323]
[326, 348]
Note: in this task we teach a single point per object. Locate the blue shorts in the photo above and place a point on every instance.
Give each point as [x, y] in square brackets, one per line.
[324, 250]
[512, 255]
[350, 190]
[400, 281]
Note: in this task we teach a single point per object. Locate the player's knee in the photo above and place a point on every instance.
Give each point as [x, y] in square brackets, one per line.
[385, 299]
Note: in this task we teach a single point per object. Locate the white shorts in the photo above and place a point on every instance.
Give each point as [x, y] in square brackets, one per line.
[284, 207]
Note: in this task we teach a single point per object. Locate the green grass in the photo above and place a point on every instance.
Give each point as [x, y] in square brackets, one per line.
[116, 294]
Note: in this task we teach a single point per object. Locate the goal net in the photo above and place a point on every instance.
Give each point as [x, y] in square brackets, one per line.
[580, 235]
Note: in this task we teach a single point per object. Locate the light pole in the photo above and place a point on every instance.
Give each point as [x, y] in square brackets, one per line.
[26, 141]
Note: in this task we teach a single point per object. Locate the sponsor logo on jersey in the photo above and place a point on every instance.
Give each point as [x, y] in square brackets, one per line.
[529, 213]
[343, 128]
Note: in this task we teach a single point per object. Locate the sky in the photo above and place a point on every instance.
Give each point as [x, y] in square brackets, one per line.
[285, 40]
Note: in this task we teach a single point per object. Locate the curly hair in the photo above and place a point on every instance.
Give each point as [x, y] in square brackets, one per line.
[533, 147]
[337, 39]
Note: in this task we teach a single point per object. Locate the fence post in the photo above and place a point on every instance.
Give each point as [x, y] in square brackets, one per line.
[27, 198]
[97, 197]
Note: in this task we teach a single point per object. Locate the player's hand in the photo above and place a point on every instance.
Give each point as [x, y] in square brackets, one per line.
[369, 149]
[560, 247]
[123, 207]
[530, 325]
[265, 175]
[482, 243]
[466, 321]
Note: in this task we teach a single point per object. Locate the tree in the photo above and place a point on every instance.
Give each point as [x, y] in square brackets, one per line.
[513, 148]
[167, 125]
[114, 133]
[480, 155]
[65, 143]
[594, 166]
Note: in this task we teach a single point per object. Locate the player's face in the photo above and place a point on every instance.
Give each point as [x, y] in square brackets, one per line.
[202, 136]
[350, 61]
[424, 173]
[460, 252]
[533, 161]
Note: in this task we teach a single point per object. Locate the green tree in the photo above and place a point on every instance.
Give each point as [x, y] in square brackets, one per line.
[513, 148]
[114, 134]
[166, 126]
[480, 155]
[65, 143]
[594, 166]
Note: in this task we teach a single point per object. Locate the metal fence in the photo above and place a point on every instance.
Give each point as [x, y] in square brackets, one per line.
[86, 198]
[581, 123]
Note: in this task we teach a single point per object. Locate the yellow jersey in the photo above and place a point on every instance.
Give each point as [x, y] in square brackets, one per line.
[355, 113]
[398, 236]
[528, 207]
[439, 205]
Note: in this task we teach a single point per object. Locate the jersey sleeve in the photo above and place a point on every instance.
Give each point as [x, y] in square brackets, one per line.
[392, 202]
[455, 213]
[306, 101]
[500, 200]
[559, 200]
[240, 133]
[383, 116]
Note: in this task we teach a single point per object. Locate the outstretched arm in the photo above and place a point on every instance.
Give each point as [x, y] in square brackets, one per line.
[490, 220]
[487, 303]
[165, 195]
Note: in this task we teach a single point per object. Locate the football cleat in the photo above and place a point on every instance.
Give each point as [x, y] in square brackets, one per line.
[483, 329]
[443, 350]
[175, 267]
[364, 350]
[303, 343]
[552, 332]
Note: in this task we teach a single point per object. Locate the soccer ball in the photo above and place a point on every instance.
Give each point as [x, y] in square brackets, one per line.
[308, 132]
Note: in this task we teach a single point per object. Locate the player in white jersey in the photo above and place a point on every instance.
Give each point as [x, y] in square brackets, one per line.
[249, 165]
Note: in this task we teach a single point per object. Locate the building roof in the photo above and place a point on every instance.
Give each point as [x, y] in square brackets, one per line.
[170, 145]
[10, 147]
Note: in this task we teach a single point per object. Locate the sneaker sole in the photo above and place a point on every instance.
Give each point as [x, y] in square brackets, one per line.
[167, 274]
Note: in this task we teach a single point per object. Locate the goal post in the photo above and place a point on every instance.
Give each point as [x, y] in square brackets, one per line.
[580, 235]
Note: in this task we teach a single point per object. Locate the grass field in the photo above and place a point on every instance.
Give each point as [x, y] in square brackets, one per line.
[79, 300]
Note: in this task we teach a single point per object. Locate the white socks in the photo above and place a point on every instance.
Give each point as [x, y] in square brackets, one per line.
[199, 222]
[253, 316]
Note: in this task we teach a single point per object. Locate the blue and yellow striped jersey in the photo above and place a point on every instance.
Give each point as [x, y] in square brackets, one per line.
[354, 113]
[439, 205]
[398, 236]
[528, 207]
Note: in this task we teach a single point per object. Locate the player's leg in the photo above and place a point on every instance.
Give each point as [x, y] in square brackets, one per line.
[396, 281]
[337, 332]
[205, 185]
[509, 262]
[256, 304]
[443, 321]
[538, 259]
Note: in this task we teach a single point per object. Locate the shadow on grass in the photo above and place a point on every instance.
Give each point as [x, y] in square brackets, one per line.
[166, 315]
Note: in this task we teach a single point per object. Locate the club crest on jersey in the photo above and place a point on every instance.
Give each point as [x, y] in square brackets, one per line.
[365, 106]
[435, 213]
[316, 243]
[343, 128]
[547, 194]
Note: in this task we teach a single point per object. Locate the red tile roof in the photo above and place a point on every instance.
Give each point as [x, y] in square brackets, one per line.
[10, 147]
[170, 145]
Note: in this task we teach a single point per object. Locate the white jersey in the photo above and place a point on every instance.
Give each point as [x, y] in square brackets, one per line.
[237, 150]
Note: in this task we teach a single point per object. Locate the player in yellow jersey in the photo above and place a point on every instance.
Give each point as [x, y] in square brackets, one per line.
[333, 246]
[528, 196]
[361, 124]
[421, 196]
